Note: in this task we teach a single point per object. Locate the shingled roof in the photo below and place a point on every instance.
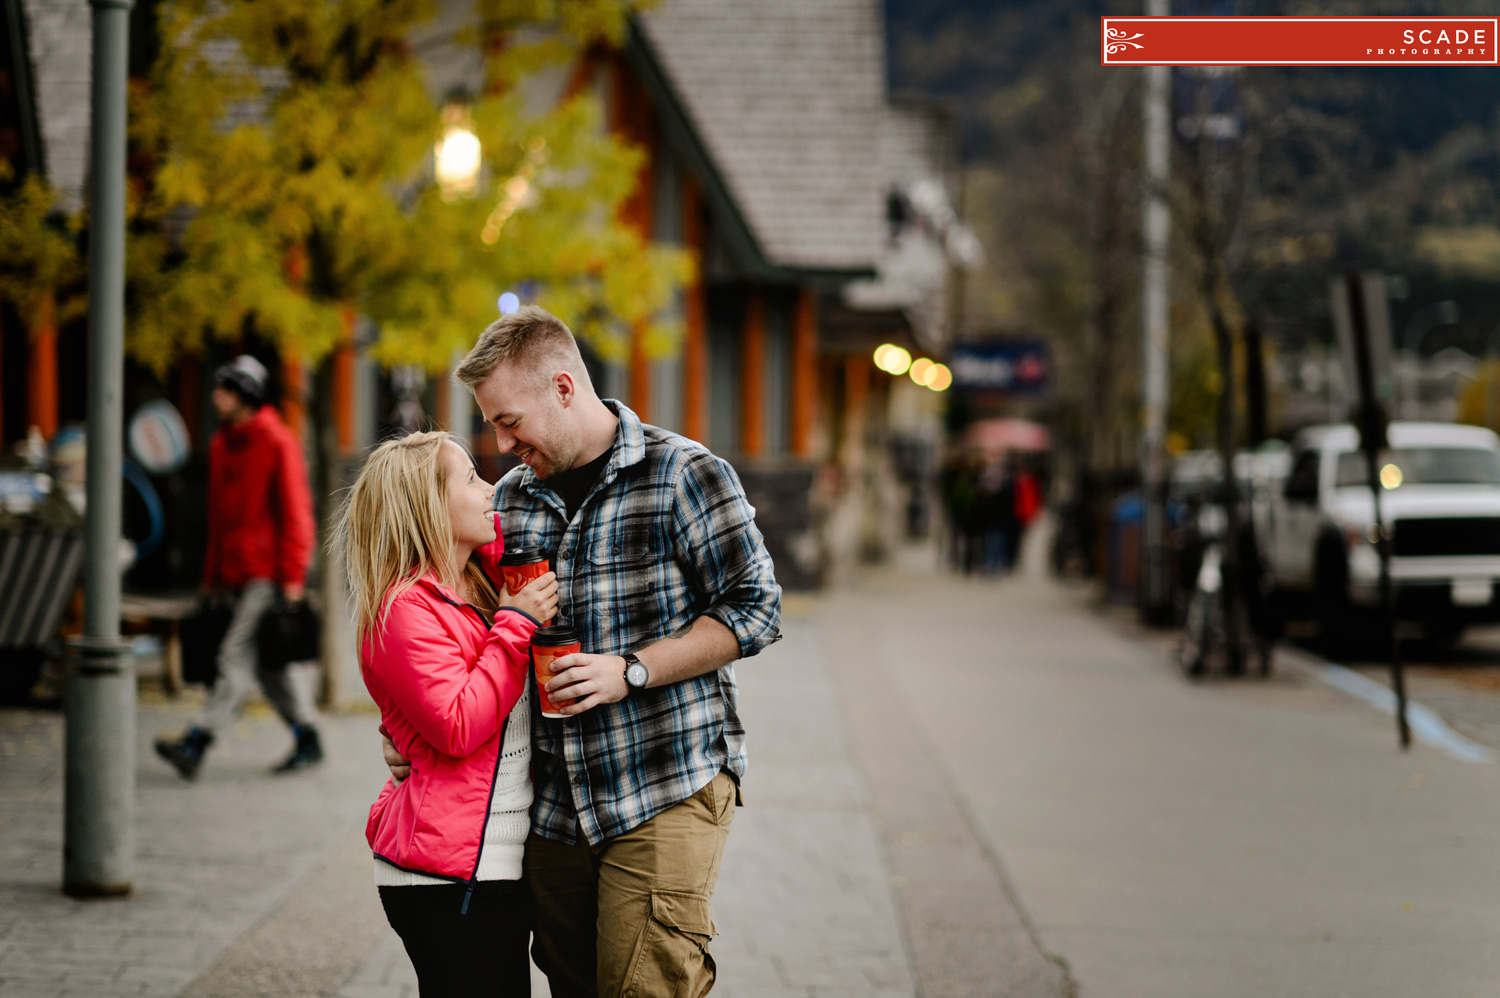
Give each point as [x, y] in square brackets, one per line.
[788, 98]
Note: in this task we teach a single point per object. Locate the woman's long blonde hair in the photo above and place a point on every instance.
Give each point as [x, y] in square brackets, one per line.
[394, 528]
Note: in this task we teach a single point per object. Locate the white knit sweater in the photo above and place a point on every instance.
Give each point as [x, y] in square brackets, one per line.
[510, 810]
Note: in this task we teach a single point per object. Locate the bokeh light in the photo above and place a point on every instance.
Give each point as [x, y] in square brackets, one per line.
[939, 378]
[456, 161]
[509, 302]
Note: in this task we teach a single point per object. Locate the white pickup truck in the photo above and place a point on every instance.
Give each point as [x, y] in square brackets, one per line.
[1440, 498]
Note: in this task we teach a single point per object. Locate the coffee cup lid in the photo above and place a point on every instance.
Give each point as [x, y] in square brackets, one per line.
[555, 636]
[523, 556]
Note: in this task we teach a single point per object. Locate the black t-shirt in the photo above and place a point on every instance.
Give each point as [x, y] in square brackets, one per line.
[574, 485]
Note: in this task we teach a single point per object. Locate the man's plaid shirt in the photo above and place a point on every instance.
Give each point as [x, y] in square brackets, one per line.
[665, 536]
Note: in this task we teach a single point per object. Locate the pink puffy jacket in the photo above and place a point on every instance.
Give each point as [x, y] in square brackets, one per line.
[445, 680]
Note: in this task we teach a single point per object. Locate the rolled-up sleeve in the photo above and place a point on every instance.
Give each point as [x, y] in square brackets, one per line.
[717, 536]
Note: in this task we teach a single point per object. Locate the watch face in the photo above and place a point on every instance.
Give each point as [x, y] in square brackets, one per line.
[636, 675]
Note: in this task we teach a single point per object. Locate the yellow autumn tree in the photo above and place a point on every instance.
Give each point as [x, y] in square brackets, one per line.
[38, 251]
[293, 183]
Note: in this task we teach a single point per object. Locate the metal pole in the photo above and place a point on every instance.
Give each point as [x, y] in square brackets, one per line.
[1491, 382]
[1156, 227]
[1372, 441]
[99, 832]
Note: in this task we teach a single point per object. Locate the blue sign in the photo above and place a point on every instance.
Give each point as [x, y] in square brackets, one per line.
[1018, 367]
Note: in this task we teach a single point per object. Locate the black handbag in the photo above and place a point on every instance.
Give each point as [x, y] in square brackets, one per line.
[200, 635]
[289, 632]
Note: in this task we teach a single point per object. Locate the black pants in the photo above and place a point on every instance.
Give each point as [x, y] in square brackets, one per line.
[482, 953]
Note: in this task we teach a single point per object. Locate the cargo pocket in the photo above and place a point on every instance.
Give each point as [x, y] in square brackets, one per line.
[671, 958]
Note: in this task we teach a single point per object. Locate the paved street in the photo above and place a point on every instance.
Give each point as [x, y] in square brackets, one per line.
[1167, 838]
[958, 787]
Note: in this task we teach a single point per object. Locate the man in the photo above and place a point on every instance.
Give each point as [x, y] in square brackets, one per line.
[666, 577]
[260, 536]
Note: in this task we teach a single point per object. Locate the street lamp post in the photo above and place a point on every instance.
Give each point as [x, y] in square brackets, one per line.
[99, 790]
[1156, 226]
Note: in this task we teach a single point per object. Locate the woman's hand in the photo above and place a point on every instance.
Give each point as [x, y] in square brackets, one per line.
[538, 599]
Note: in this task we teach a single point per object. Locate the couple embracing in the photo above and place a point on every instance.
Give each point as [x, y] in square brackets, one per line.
[598, 834]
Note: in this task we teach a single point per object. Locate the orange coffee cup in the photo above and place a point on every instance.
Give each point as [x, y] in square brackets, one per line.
[519, 567]
[547, 645]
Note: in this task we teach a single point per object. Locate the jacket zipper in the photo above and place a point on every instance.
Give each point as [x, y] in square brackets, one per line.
[490, 800]
[484, 828]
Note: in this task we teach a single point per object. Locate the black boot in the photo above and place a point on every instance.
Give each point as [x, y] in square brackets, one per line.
[186, 753]
[308, 752]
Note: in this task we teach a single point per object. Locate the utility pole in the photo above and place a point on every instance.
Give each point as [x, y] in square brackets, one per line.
[99, 802]
[1372, 440]
[1155, 228]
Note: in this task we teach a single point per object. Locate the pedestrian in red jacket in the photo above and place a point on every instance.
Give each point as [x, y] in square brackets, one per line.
[260, 537]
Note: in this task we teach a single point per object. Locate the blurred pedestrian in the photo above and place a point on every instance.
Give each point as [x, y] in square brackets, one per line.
[959, 484]
[996, 516]
[1028, 503]
[260, 537]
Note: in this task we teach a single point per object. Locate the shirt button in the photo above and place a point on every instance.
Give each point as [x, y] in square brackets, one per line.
[577, 781]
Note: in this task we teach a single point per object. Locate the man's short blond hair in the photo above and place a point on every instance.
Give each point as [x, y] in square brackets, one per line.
[530, 334]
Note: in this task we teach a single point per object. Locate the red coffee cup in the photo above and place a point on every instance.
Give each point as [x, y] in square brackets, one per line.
[519, 567]
[547, 645]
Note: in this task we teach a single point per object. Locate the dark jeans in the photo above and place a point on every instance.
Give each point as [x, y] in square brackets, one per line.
[459, 956]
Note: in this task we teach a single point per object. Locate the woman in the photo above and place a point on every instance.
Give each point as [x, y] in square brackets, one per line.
[445, 656]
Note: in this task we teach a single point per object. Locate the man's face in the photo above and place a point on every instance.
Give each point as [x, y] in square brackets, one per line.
[228, 405]
[527, 410]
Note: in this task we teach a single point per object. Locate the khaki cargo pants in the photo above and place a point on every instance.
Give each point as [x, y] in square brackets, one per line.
[628, 918]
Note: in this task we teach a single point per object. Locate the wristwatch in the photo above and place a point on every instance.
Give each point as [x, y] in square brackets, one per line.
[636, 673]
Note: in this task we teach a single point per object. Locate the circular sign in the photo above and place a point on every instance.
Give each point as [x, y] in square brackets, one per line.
[159, 438]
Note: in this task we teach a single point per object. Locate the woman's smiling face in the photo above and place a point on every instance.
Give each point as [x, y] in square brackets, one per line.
[469, 499]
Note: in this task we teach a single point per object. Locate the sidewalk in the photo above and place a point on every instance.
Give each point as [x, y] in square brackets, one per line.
[252, 885]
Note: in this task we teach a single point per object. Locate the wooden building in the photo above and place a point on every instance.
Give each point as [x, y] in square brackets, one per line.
[816, 207]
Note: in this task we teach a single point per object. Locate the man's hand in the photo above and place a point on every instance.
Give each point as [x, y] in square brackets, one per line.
[397, 763]
[587, 680]
[294, 591]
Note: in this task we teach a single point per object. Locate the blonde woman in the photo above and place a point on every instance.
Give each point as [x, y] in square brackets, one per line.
[445, 655]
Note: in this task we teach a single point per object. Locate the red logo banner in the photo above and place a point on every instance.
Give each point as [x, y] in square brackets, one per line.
[1298, 41]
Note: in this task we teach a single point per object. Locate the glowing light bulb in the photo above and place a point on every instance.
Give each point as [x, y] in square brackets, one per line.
[456, 161]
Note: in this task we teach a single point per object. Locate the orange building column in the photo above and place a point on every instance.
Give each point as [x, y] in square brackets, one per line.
[804, 374]
[753, 376]
[630, 119]
[694, 319]
[190, 396]
[41, 368]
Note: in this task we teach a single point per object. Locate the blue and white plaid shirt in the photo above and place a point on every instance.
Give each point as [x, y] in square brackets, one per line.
[666, 536]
